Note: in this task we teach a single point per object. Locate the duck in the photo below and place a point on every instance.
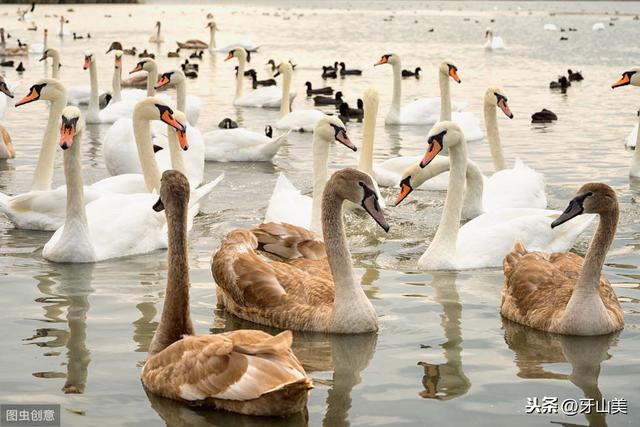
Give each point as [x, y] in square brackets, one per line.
[263, 275]
[286, 204]
[196, 55]
[268, 379]
[631, 77]
[303, 120]
[349, 72]
[190, 104]
[157, 37]
[409, 73]
[77, 37]
[329, 73]
[21, 50]
[483, 241]
[271, 65]
[255, 82]
[175, 54]
[328, 100]
[10, 63]
[20, 68]
[145, 54]
[562, 292]
[327, 90]
[268, 131]
[199, 44]
[424, 111]
[265, 97]
[562, 83]
[574, 76]
[543, 116]
[343, 112]
[227, 123]
[492, 42]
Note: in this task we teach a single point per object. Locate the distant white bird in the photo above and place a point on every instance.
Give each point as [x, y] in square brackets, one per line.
[598, 26]
[492, 42]
[550, 27]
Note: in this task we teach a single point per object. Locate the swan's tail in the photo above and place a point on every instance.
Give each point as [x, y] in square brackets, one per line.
[199, 193]
[272, 148]
[512, 258]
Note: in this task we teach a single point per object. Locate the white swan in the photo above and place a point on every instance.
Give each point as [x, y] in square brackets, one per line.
[632, 77]
[424, 111]
[492, 42]
[241, 145]
[550, 27]
[116, 85]
[62, 31]
[55, 68]
[6, 101]
[598, 26]
[303, 120]
[483, 241]
[43, 208]
[39, 47]
[189, 104]
[286, 204]
[264, 97]
[113, 111]
[157, 37]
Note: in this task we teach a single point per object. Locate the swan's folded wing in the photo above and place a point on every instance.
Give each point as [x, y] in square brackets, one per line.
[289, 241]
[196, 368]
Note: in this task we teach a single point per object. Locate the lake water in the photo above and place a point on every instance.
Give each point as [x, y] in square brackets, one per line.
[443, 354]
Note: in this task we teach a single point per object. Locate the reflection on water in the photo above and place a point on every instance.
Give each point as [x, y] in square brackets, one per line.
[447, 380]
[535, 352]
[67, 291]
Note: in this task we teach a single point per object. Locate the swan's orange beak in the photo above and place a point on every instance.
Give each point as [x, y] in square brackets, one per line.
[341, 137]
[67, 132]
[383, 60]
[505, 108]
[118, 63]
[624, 80]
[453, 73]
[87, 62]
[162, 81]
[137, 68]
[229, 56]
[33, 96]
[167, 117]
[405, 190]
[182, 139]
[435, 146]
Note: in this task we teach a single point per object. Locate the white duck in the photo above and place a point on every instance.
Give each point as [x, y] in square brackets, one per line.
[303, 120]
[264, 97]
[241, 145]
[483, 241]
[632, 77]
[113, 111]
[492, 42]
[424, 111]
[286, 204]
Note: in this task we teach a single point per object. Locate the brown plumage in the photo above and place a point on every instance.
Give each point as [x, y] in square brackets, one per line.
[285, 276]
[562, 292]
[249, 372]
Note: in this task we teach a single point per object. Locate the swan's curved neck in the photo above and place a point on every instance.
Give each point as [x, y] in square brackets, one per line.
[320, 172]
[94, 102]
[55, 66]
[177, 157]
[445, 96]
[350, 301]
[444, 241]
[241, 64]
[365, 163]
[75, 234]
[150, 170]
[635, 159]
[176, 317]
[472, 204]
[491, 123]
[181, 96]
[397, 86]
[285, 103]
[152, 78]
[585, 305]
[44, 169]
[116, 84]
[212, 36]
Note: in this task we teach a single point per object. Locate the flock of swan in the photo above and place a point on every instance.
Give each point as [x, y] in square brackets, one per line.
[294, 271]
